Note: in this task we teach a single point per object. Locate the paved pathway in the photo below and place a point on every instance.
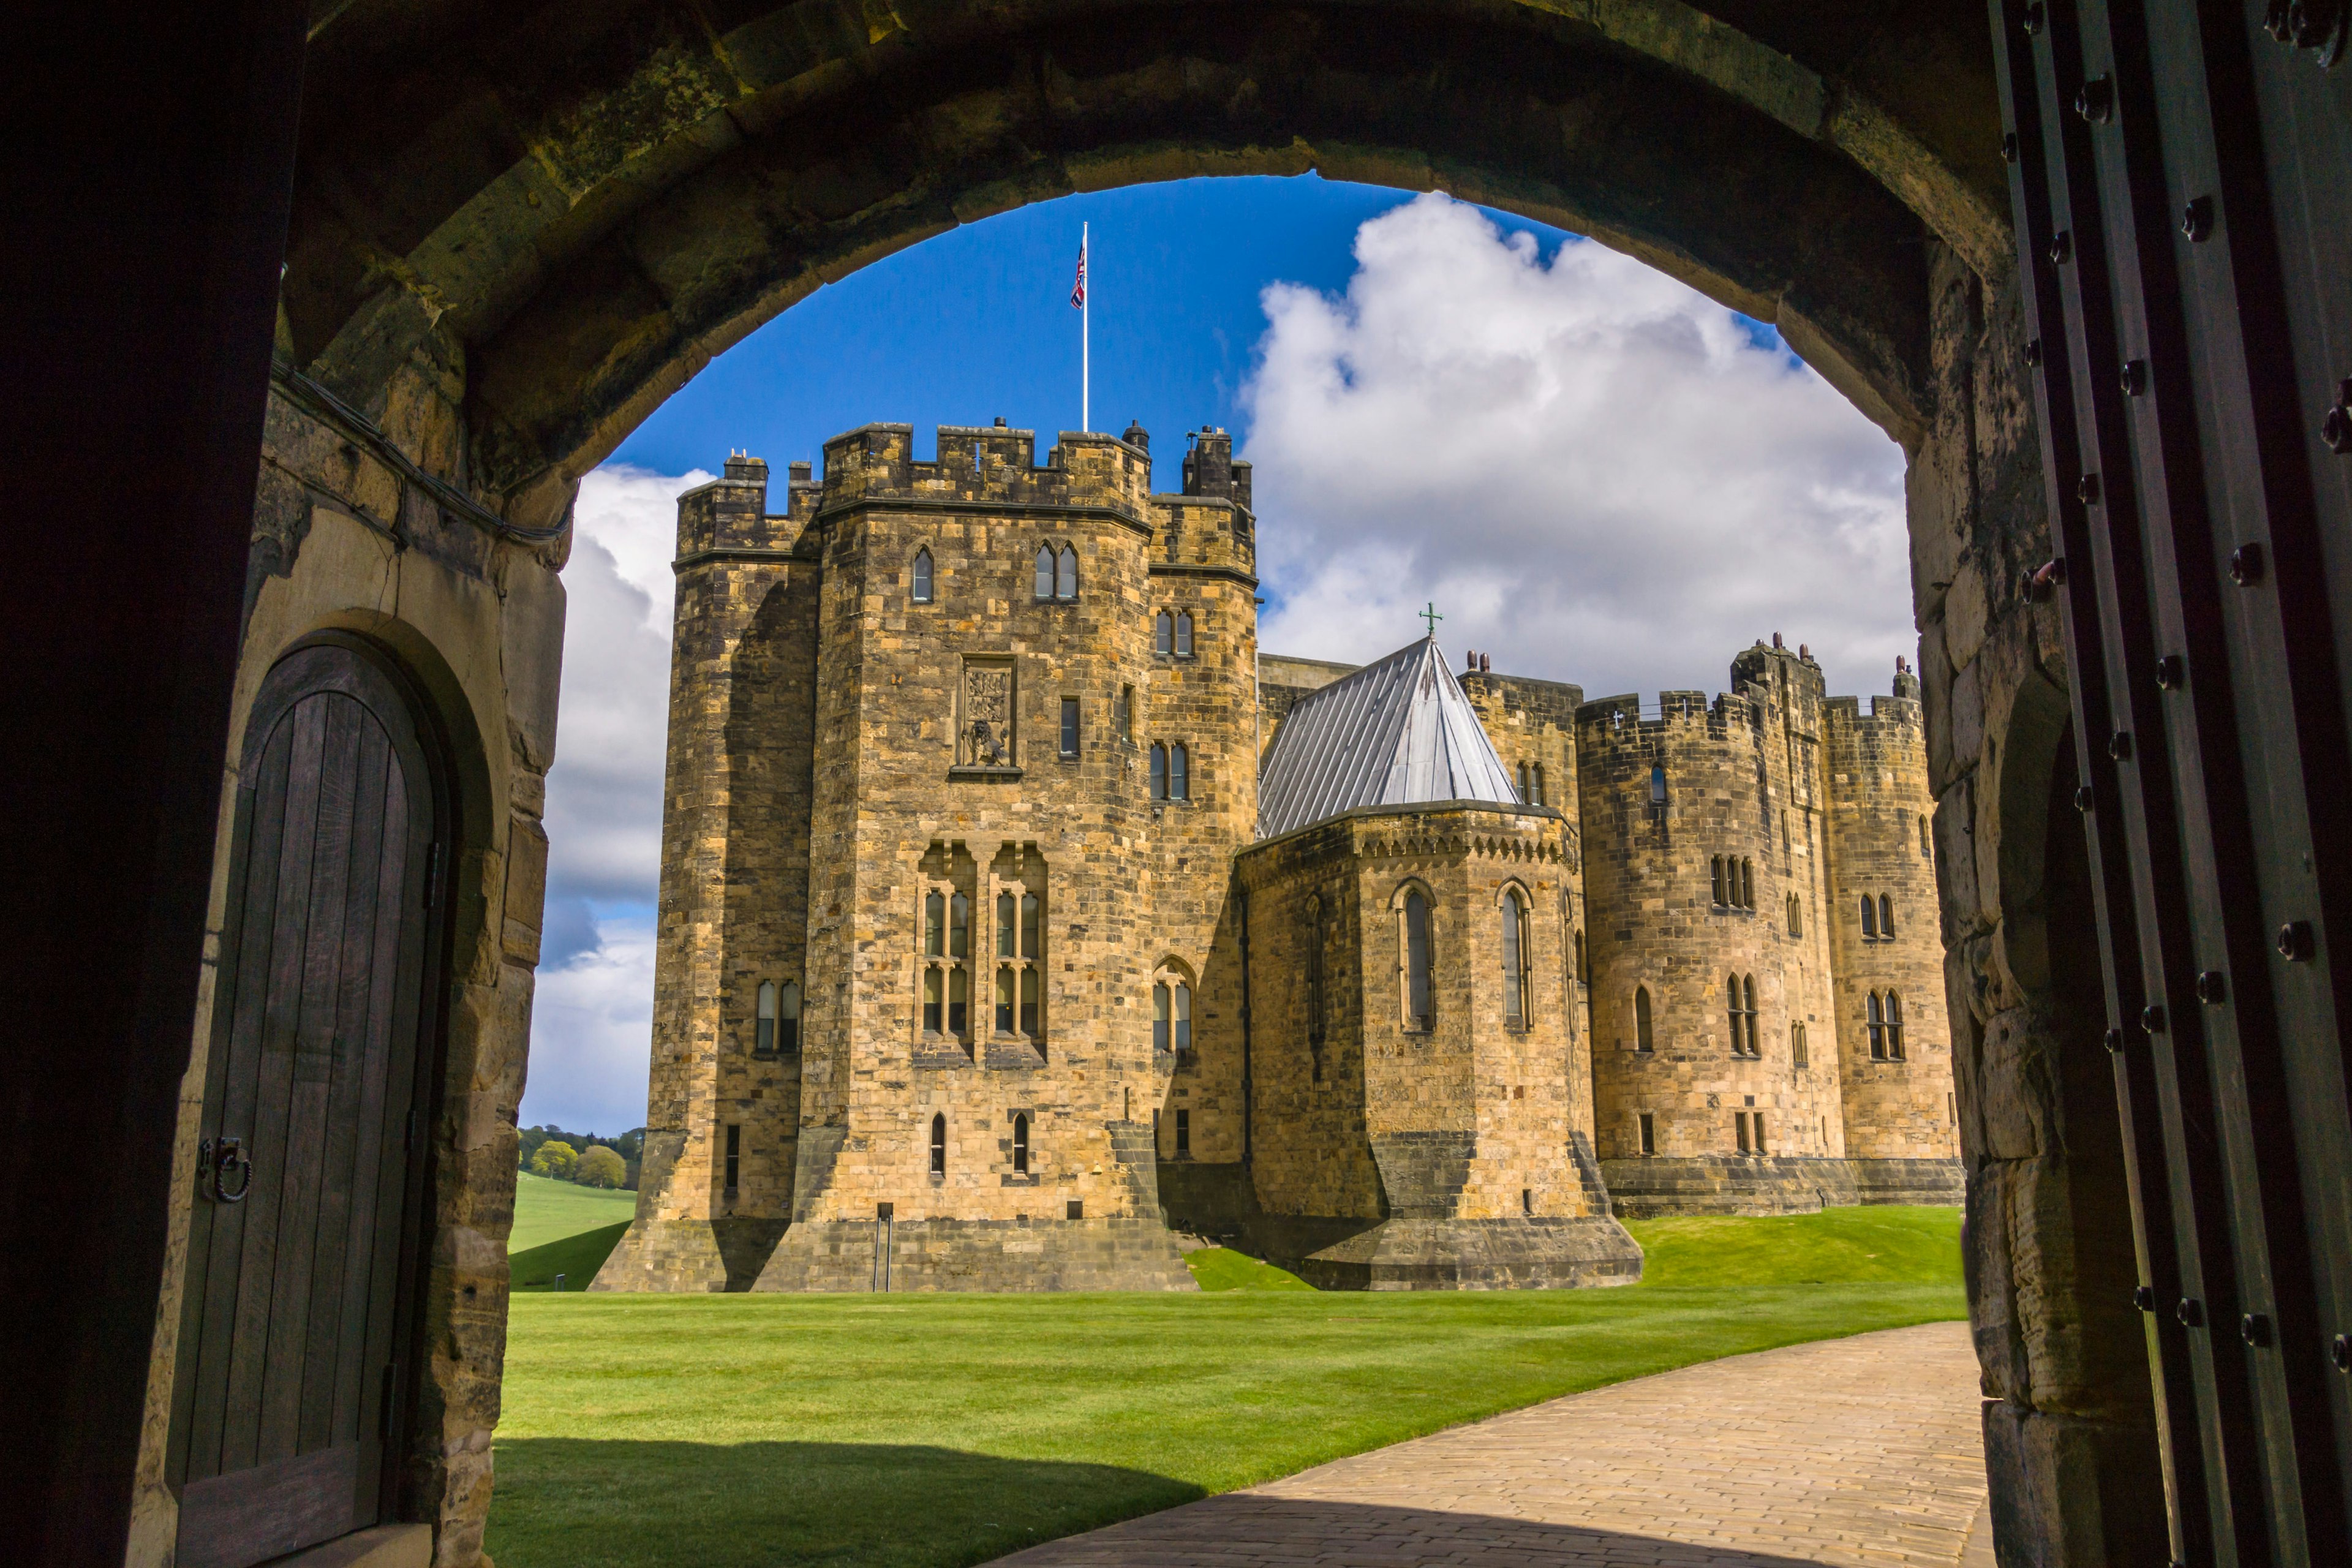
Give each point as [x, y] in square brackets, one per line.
[1861, 1453]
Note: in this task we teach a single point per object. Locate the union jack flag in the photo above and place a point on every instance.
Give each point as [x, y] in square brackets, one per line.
[1078, 290]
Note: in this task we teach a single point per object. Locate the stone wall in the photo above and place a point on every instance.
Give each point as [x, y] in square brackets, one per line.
[2070, 1424]
[1454, 1157]
[1731, 876]
[347, 541]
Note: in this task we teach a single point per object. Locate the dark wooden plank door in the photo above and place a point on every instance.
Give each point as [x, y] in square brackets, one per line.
[2182, 179]
[307, 1187]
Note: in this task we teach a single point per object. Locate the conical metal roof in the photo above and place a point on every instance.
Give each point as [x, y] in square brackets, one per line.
[1396, 732]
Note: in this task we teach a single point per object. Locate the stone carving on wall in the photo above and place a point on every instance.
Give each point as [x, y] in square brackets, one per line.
[985, 732]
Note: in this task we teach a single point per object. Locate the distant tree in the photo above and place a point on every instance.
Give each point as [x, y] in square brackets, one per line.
[555, 1158]
[600, 1167]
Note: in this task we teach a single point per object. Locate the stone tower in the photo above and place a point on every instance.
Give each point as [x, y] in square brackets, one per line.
[960, 751]
[1727, 845]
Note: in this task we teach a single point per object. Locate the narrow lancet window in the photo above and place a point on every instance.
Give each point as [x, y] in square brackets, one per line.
[764, 1028]
[958, 1000]
[1183, 634]
[1020, 1145]
[1876, 1020]
[938, 1145]
[1894, 1026]
[1065, 574]
[1184, 999]
[1885, 917]
[922, 594]
[1029, 1002]
[1645, 1039]
[1005, 1001]
[1163, 632]
[1658, 783]
[1869, 918]
[1161, 1039]
[1747, 988]
[1417, 1011]
[1180, 772]
[1159, 771]
[788, 1017]
[1515, 1010]
[1046, 573]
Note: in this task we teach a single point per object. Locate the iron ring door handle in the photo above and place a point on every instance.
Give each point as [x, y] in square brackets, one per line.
[216, 1158]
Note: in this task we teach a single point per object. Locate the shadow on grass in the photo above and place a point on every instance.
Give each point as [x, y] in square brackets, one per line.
[576, 1257]
[567, 1502]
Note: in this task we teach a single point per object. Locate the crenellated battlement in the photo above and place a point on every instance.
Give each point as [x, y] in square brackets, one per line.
[1677, 714]
[986, 467]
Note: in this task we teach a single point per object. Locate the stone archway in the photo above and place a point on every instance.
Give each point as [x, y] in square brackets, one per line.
[512, 240]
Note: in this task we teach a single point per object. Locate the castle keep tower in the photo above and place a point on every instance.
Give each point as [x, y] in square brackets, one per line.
[960, 751]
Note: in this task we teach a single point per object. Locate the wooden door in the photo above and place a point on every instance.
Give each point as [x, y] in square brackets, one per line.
[2182, 179]
[291, 1351]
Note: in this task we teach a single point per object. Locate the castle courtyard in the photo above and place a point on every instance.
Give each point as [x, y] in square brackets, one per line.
[1773, 1379]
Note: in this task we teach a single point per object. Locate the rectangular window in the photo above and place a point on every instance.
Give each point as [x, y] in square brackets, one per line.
[1797, 1052]
[1069, 726]
[734, 1154]
[1184, 1134]
[1127, 714]
[1649, 1134]
[1756, 1126]
[1739, 1120]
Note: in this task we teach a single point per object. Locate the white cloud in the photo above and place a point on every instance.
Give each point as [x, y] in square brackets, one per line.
[592, 1033]
[591, 1025]
[1596, 472]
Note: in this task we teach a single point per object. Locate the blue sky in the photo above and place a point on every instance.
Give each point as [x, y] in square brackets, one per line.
[977, 322]
[1599, 476]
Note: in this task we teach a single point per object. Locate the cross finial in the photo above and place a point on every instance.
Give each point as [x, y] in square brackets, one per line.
[1431, 616]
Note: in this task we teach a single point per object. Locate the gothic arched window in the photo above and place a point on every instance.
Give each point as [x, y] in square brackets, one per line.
[1796, 916]
[1183, 634]
[1159, 771]
[1315, 942]
[1894, 1026]
[1163, 632]
[1658, 783]
[1162, 1032]
[938, 1145]
[1885, 917]
[1046, 572]
[1538, 799]
[1869, 918]
[1515, 1009]
[1747, 884]
[1179, 773]
[1747, 993]
[1877, 1021]
[763, 1030]
[922, 577]
[1020, 1145]
[1413, 951]
[1644, 1038]
[1926, 846]
[1065, 574]
[788, 1017]
[1717, 892]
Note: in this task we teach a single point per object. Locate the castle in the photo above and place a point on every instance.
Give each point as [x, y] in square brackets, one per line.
[1015, 913]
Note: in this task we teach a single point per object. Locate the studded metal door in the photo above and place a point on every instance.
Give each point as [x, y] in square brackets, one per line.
[302, 1246]
[2181, 180]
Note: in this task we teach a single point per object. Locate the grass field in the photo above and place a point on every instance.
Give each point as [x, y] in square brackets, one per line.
[548, 1210]
[736, 1431]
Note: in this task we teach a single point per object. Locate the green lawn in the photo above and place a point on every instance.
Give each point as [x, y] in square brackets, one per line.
[759, 1431]
[548, 1210]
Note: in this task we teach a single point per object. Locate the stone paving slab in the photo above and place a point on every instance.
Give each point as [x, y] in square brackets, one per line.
[1857, 1453]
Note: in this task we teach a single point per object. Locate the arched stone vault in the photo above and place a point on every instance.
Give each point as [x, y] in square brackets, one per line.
[516, 231]
[577, 209]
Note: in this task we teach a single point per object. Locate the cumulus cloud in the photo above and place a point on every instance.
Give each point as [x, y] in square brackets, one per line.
[593, 1017]
[591, 1032]
[1597, 474]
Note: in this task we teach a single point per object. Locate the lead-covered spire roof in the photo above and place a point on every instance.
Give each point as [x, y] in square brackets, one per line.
[1398, 731]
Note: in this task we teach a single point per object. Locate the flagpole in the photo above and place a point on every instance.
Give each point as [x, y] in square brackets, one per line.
[1085, 346]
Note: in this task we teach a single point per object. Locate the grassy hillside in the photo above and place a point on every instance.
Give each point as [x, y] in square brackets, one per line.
[548, 1210]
